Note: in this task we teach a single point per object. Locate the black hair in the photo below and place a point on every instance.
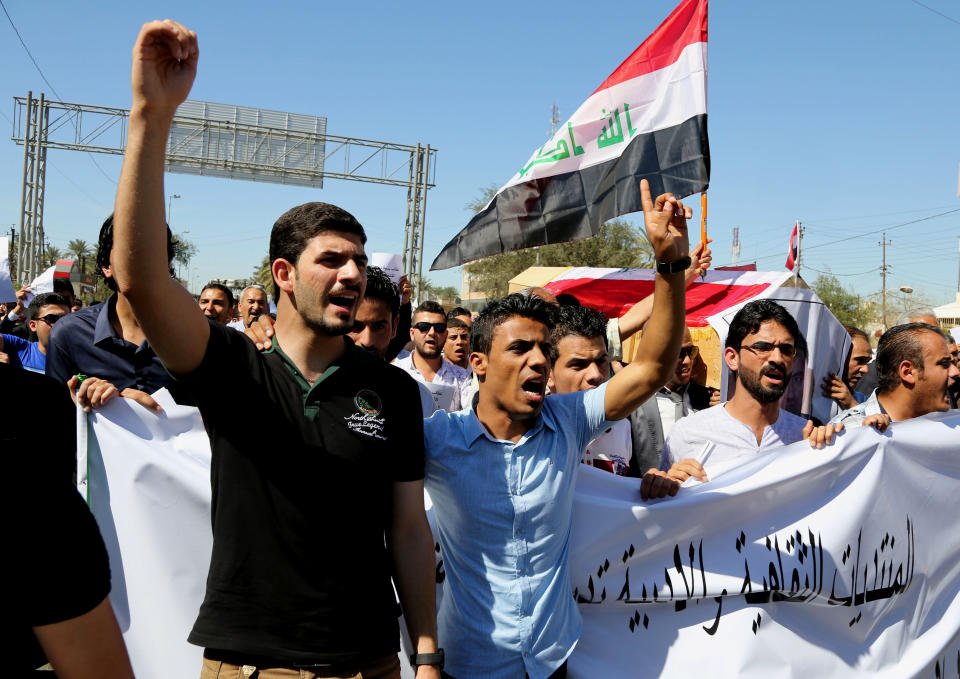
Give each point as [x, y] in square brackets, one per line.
[296, 226]
[855, 332]
[898, 344]
[62, 285]
[379, 286]
[458, 311]
[753, 314]
[566, 299]
[46, 299]
[222, 288]
[581, 321]
[105, 245]
[500, 310]
[454, 322]
[429, 307]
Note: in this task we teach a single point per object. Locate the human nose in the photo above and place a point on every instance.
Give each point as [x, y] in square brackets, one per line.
[350, 271]
[594, 376]
[954, 371]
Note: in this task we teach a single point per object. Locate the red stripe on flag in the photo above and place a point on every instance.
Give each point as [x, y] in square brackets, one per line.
[614, 297]
[685, 26]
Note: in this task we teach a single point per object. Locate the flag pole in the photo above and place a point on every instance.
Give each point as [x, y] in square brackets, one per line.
[703, 227]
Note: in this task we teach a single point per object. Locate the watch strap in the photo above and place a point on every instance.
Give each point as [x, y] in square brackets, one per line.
[676, 266]
[417, 659]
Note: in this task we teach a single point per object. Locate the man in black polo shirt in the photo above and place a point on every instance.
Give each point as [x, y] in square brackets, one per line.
[300, 575]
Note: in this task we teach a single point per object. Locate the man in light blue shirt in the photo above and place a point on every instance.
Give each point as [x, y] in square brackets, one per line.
[501, 473]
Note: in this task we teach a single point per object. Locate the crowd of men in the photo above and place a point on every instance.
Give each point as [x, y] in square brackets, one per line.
[374, 400]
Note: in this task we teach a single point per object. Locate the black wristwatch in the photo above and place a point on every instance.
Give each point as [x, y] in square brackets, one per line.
[676, 266]
[417, 659]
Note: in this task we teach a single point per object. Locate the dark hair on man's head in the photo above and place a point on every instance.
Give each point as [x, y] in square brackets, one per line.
[898, 344]
[222, 288]
[46, 299]
[458, 311]
[566, 299]
[379, 286]
[500, 310]
[429, 307]
[580, 321]
[753, 314]
[105, 245]
[454, 322]
[855, 332]
[63, 287]
[297, 226]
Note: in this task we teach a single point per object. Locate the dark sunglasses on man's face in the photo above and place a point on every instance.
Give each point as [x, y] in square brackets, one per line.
[764, 349]
[50, 319]
[424, 327]
[690, 351]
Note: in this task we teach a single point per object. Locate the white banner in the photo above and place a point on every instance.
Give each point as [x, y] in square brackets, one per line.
[841, 562]
[800, 563]
[148, 485]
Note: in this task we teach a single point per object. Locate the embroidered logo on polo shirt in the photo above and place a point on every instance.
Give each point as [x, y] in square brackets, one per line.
[368, 402]
[365, 421]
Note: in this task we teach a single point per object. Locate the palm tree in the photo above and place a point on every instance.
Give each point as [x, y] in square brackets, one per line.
[51, 255]
[80, 249]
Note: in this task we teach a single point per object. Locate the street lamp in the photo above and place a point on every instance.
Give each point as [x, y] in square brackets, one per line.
[906, 288]
[170, 205]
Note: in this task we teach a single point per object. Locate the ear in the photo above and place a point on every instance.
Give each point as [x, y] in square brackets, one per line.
[396, 322]
[478, 362]
[551, 387]
[33, 326]
[107, 271]
[285, 275]
[908, 373]
[731, 358]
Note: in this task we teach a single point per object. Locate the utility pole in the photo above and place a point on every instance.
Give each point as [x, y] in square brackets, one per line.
[883, 273]
[796, 270]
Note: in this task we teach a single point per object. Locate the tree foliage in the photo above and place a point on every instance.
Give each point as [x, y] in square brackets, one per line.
[262, 273]
[183, 250]
[50, 256]
[845, 305]
[81, 251]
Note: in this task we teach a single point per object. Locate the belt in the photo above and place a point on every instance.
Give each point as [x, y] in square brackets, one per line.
[348, 666]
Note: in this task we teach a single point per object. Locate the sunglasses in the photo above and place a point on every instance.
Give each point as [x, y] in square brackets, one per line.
[764, 349]
[692, 352]
[424, 327]
[50, 319]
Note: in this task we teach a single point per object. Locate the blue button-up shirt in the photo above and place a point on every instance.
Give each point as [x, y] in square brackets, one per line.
[86, 342]
[504, 513]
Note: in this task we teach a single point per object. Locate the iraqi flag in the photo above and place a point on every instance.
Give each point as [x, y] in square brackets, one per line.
[792, 253]
[648, 120]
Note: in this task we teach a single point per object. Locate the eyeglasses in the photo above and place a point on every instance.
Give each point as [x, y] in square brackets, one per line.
[50, 319]
[691, 351]
[764, 349]
[424, 327]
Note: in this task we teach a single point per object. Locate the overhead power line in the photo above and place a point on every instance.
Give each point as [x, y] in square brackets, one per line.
[948, 18]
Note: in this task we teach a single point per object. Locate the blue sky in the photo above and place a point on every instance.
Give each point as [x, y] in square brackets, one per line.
[843, 115]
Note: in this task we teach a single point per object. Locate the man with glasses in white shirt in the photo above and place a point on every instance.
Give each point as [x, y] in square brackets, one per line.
[761, 348]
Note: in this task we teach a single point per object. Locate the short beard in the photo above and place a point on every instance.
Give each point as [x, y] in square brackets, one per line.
[423, 351]
[764, 394]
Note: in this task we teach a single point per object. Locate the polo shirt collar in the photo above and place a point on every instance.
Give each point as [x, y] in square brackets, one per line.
[292, 367]
[104, 329]
[473, 428]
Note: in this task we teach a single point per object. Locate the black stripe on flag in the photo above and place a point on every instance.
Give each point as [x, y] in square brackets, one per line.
[574, 205]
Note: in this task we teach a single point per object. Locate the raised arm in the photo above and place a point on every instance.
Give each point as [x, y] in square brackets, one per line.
[164, 65]
[656, 359]
[639, 313]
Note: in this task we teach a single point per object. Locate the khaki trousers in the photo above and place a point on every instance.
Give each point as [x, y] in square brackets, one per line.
[385, 668]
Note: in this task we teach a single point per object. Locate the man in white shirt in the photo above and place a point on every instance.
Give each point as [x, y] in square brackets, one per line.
[449, 384]
[761, 347]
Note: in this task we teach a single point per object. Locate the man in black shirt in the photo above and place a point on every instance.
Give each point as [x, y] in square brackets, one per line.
[300, 575]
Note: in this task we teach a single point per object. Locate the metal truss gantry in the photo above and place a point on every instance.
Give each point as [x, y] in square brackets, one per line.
[223, 141]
